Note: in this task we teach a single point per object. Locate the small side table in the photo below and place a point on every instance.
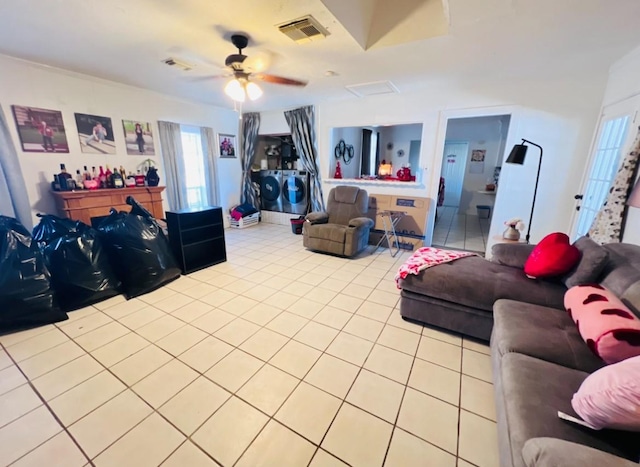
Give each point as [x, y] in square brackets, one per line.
[501, 239]
[389, 221]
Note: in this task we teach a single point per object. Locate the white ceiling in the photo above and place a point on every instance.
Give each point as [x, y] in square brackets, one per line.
[125, 41]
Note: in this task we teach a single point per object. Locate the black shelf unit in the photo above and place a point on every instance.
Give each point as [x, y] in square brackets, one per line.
[197, 237]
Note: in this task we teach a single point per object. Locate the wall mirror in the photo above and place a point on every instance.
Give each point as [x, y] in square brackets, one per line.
[362, 149]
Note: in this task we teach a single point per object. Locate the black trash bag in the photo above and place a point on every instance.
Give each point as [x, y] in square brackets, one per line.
[138, 249]
[81, 273]
[51, 228]
[26, 296]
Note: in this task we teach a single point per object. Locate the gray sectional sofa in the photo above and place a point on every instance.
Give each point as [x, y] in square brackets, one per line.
[539, 359]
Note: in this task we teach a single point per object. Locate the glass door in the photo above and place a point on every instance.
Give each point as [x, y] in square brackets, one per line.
[612, 140]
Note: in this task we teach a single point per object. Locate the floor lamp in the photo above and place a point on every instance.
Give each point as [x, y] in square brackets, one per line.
[517, 156]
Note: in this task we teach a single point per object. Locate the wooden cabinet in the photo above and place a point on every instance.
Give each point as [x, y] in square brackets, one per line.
[82, 205]
[197, 237]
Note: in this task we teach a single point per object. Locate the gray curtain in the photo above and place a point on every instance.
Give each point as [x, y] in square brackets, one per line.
[171, 149]
[250, 127]
[608, 225]
[209, 151]
[14, 201]
[302, 124]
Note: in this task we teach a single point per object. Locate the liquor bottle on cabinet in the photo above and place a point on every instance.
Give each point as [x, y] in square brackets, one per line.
[102, 178]
[108, 174]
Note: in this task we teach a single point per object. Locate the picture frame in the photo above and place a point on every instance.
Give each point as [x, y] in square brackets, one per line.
[95, 134]
[40, 130]
[227, 147]
[138, 137]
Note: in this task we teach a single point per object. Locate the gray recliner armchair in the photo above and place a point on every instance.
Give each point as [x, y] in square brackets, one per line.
[342, 230]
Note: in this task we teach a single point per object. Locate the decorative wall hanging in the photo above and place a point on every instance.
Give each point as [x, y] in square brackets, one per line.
[40, 130]
[477, 161]
[344, 151]
[95, 134]
[226, 145]
[138, 137]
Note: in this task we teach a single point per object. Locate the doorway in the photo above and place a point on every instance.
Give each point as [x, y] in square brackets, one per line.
[613, 136]
[471, 161]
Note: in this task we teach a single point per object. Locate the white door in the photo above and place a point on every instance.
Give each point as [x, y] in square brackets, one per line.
[613, 139]
[454, 161]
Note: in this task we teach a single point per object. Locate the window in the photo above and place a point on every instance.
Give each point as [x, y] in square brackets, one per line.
[193, 159]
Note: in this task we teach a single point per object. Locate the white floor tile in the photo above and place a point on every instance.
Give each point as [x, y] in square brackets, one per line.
[407, 450]
[85, 397]
[109, 422]
[435, 380]
[442, 427]
[277, 445]
[192, 406]
[368, 447]
[309, 411]
[332, 375]
[230, 430]
[478, 440]
[377, 395]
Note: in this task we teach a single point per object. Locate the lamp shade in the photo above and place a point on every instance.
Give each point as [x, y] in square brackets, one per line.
[253, 91]
[234, 90]
[634, 197]
[518, 154]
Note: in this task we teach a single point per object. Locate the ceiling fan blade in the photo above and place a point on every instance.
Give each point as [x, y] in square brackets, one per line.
[279, 80]
[209, 77]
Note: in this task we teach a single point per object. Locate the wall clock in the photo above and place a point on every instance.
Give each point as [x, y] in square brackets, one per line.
[400, 152]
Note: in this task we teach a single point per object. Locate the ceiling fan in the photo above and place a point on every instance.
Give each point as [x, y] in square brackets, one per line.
[242, 85]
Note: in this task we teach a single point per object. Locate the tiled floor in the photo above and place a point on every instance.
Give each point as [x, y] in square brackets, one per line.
[460, 231]
[278, 357]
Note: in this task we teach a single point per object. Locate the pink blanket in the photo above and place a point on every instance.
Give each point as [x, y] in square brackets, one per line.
[427, 257]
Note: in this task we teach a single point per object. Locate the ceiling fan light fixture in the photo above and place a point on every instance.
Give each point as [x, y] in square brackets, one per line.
[253, 91]
[235, 90]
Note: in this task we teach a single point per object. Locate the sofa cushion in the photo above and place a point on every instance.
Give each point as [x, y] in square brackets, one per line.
[608, 327]
[552, 257]
[540, 332]
[551, 452]
[478, 283]
[592, 262]
[610, 397]
[511, 254]
[331, 232]
[533, 391]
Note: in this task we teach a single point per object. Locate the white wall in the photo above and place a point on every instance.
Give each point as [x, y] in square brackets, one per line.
[559, 113]
[351, 136]
[624, 82]
[23, 83]
[400, 137]
[490, 134]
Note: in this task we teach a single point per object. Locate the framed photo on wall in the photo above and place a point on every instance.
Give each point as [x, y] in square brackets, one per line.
[40, 130]
[139, 138]
[226, 145]
[95, 134]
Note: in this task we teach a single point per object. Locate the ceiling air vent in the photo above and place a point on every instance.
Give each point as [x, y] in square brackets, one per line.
[304, 29]
[372, 89]
[174, 62]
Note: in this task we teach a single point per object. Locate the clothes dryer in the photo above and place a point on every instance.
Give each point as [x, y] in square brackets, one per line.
[271, 190]
[295, 191]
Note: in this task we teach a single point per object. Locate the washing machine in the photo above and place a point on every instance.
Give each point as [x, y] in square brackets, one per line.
[295, 191]
[271, 190]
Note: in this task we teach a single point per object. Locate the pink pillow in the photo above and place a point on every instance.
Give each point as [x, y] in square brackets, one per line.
[610, 397]
[608, 327]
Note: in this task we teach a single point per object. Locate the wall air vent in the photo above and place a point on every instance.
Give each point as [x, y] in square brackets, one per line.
[303, 29]
[177, 63]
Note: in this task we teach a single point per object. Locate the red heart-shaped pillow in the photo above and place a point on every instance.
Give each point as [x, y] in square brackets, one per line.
[553, 256]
